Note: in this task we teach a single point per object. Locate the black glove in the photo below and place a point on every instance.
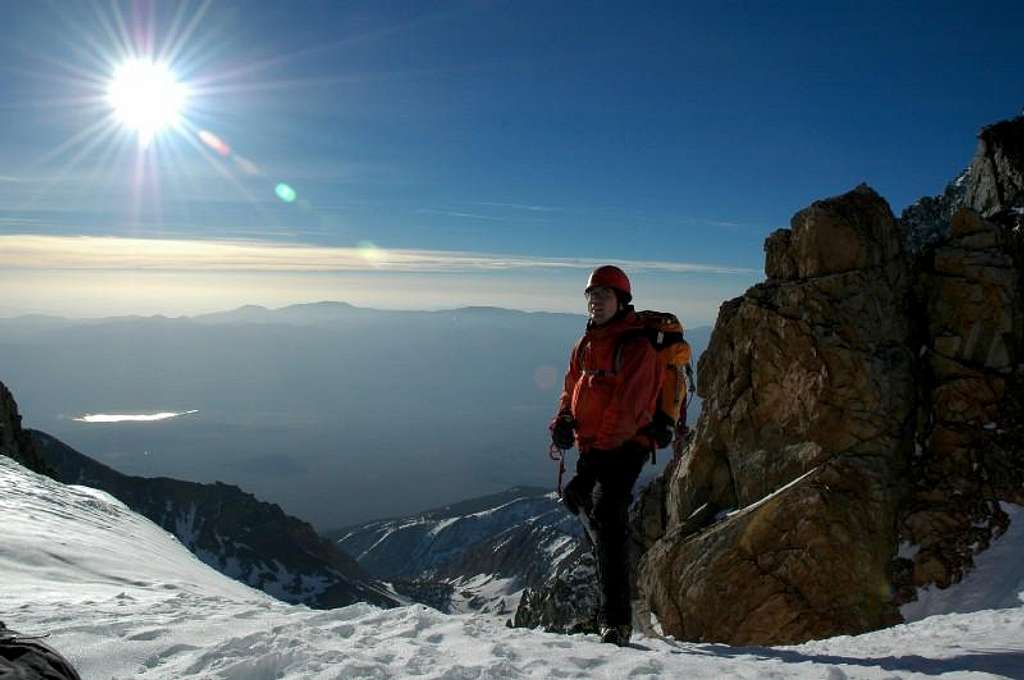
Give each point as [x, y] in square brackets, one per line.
[661, 429]
[561, 431]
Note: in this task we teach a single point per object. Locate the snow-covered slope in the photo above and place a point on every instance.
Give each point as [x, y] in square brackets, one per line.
[122, 599]
[234, 532]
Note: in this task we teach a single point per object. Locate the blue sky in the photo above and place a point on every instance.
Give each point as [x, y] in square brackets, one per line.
[518, 143]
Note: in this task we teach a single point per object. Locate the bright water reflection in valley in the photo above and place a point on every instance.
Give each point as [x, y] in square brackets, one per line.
[135, 418]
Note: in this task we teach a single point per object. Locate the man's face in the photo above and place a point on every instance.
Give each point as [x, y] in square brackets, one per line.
[602, 304]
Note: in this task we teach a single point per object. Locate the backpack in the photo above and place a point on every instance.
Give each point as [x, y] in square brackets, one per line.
[665, 333]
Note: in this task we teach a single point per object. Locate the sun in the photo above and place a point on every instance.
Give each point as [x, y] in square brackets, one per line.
[146, 97]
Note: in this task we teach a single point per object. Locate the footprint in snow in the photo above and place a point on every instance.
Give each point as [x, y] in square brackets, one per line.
[344, 630]
[585, 664]
[251, 614]
[159, 659]
[650, 669]
[504, 651]
[461, 673]
[563, 644]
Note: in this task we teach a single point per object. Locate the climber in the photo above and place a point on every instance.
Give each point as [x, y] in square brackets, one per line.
[606, 410]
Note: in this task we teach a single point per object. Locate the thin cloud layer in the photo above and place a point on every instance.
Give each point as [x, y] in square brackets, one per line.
[116, 253]
[519, 206]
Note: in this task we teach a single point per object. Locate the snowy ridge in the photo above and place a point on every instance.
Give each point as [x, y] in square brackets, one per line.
[123, 599]
[927, 219]
[483, 552]
[418, 546]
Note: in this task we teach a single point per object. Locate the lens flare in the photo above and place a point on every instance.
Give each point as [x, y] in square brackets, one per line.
[146, 97]
[371, 253]
[246, 165]
[546, 378]
[285, 192]
[214, 142]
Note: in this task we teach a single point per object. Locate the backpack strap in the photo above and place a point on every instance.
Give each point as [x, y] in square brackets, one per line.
[658, 339]
[577, 357]
[666, 339]
[625, 337]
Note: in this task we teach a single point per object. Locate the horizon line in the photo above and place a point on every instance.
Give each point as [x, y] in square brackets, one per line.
[175, 317]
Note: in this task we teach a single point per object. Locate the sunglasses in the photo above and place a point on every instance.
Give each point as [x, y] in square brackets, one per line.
[599, 292]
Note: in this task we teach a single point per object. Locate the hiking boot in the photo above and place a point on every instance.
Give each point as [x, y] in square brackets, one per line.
[616, 635]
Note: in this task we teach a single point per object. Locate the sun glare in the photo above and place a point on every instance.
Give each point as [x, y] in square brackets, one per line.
[154, 76]
[146, 97]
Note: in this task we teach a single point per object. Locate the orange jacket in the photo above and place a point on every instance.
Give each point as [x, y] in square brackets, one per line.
[611, 408]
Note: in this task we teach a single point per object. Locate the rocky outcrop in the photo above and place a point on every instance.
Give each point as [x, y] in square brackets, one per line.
[970, 441]
[992, 186]
[15, 442]
[567, 602]
[232, 531]
[862, 420]
[969, 452]
[808, 407]
[995, 180]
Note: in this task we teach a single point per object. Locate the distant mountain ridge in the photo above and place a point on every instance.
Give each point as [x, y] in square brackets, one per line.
[300, 313]
[232, 531]
[478, 554]
[462, 507]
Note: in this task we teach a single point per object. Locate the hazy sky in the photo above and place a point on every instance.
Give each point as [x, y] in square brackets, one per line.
[418, 154]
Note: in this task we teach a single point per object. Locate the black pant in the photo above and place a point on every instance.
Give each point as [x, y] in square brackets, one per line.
[601, 493]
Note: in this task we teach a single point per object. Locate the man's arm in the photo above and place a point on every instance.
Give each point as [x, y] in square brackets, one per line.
[631, 405]
[562, 426]
[572, 376]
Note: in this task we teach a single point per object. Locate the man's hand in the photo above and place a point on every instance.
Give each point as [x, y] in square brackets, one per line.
[561, 431]
[661, 429]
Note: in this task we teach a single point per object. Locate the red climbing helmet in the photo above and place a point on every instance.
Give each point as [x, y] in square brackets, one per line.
[612, 277]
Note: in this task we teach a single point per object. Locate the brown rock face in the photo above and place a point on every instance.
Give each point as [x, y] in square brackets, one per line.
[856, 232]
[807, 374]
[786, 568]
[863, 419]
